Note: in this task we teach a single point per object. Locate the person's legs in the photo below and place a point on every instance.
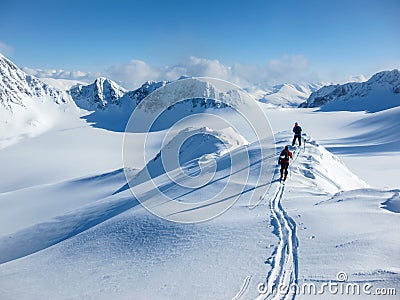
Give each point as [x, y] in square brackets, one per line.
[299, 138]
[294, 140]
[286, 170]
[296, 137]
[282, 169]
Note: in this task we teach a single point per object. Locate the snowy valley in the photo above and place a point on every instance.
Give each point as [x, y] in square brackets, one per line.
[88, 168]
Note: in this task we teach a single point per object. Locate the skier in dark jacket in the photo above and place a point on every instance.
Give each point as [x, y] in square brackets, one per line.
[284, 159]
[297, 134]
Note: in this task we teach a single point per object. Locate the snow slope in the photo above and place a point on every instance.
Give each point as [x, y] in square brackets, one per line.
[377, 134]
[97, 244]
[345, 238]
[366, 142]
[193, 146]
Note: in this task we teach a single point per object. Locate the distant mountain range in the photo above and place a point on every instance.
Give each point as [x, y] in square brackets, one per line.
[289, 95]
[29, 104]
[381, 91]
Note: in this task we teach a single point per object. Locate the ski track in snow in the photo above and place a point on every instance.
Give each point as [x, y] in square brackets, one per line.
[243, 288]
[284, 272]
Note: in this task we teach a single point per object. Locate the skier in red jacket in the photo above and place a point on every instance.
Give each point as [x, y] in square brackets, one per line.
[284, 159]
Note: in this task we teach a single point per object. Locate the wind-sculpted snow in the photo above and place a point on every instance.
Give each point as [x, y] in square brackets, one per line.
[195, 147]
[97, 243]
[244, 117]
[60, 219]
[312, 168]
[378, 134]
[392, 202]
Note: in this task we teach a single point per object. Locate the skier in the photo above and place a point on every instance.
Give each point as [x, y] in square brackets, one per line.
[297, 134]
[284, 159]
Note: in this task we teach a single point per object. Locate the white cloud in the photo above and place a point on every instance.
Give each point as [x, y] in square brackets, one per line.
[287, 63]
[5, 49]
[356, 78]
[200, 67]
[205, 67]
[133, 73]
[287, 69]
[62, 74]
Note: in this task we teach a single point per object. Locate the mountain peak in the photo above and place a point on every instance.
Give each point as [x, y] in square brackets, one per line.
[16, 85]
[98, 95]
[146, 88]
[28, 106]
[392, 76]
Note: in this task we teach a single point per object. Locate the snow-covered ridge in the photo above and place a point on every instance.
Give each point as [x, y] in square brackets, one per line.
[191, 146]
[103, 94]
[312, 169]
[16, 85]
[289, 95]
[112, 106]
[384, 85]
[317, 168]
[188, 89]
[142, 92]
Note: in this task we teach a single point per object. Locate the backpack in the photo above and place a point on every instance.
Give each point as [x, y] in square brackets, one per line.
[284, 156]
[297, 130]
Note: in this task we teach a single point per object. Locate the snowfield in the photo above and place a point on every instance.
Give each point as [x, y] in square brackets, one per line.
[70, 227]
[71, 238]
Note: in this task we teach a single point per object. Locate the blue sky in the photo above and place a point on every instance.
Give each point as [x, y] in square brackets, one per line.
[242, 41]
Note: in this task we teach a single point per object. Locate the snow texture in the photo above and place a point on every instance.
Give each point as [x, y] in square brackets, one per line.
[70, 228]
